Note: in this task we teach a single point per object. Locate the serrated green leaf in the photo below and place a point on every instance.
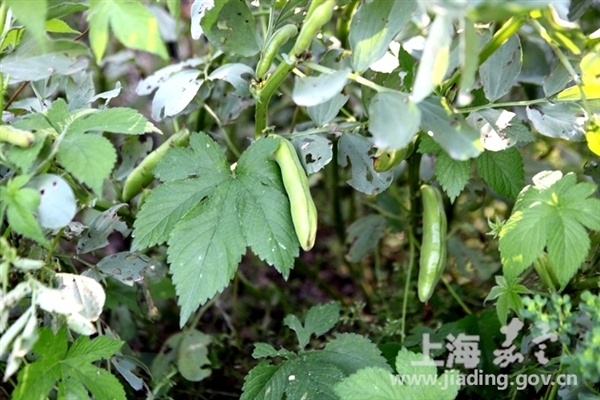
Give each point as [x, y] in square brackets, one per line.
[321, 318]
[373, 27]
[203, 157]
[351, 352]
[311, 379]
[452, 174]
[166, 205]
[114, 120]
[84, 351]
[263, 350]
[231, 27]
[503, 171]
[131, 23]
[500, 71]
[393, 120]
[57, 364]
[419, 382]
[205, 248]
[449, 130]
[519, 131]
[101, 383]
[262, 382]
[77, 152]
[552, 213]
[427, 145]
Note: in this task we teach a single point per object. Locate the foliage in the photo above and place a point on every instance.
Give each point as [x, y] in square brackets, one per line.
[139, 163]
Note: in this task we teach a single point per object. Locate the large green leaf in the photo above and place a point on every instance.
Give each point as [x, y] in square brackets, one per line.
[500, 71]
[449, 130]
[353, 150]
[32, 60]
[551, 213]
[32, 16]
[503, 171]
[209, 220]
[228, 25]
[131, 22]
[393, 120]
[373, 27]
[78, 152]
[71, 369]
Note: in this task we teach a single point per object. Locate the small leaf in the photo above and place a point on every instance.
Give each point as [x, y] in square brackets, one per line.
[228, 25]
[500, 71]
[77, 152]
[232, 73]
[353, 150]
[311, 91]
[449, 130]
[452, 174]
[131, 23]
[173, 96]
[315, 152]
[128, 268]
[435, 59]
[97, 233]
[503, 171]
[373, 27]
[393, 120]
[193, 356]
[560, 120]
[57, 202]
[323, 113]
[32, 61]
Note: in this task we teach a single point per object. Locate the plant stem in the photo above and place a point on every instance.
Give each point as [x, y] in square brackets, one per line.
[264, 94]
[456, 296]
[411, 264]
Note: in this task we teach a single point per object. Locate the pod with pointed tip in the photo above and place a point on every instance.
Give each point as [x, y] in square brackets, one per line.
[319, 13]
[302, 206]
[433, 246]
[279, 38]
[385, 159]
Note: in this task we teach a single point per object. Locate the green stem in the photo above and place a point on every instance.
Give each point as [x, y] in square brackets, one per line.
[411, 264]
[264, 94]
[522, 103]
[456, 296]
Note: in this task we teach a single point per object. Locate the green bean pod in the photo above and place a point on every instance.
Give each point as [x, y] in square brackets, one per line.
[317, 16]
[142, 175]
[302, 206]
[433, 247]
[279, 38]
[15, 136]
[385, 159]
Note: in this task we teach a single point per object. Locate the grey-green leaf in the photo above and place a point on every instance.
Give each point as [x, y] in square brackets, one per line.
[373, 27]
[324, 113]
[315, 151]
[311, 91]
[393, 120]
[560, 120]
[354, 149]
[449, 130]
[500, 71]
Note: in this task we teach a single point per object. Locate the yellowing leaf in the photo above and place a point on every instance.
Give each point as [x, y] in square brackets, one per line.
[591, 92]
[593, 138]
[590, 78]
